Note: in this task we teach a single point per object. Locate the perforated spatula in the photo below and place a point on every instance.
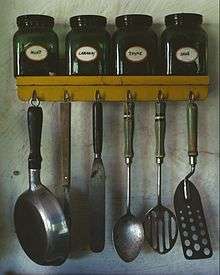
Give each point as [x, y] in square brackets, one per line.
[187, 202]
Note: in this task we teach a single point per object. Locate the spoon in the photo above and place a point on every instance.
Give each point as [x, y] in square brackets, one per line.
[128, 232]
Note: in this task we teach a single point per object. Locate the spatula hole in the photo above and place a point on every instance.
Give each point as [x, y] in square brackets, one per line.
[193, 228]
[197, 247]
[202, 232]
[185, 234]
[187, 242]
[183, 225]
[206, 251]
[189, 252]
[195, 237]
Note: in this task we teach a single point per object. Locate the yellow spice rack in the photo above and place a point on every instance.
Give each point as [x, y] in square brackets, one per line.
[111, 88]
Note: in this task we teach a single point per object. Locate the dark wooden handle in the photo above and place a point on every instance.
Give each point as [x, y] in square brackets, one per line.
[97, 127]
[35, 120]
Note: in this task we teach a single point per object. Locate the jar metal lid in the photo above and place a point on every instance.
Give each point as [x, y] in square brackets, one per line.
[134, 19]
[88, 20]
[183, 19]
[35, 20]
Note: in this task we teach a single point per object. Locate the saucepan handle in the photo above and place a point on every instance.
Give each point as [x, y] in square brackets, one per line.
[35, 118]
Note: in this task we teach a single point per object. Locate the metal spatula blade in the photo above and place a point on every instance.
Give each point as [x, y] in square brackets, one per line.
[97, 206]
[191, 222]
[187, 202]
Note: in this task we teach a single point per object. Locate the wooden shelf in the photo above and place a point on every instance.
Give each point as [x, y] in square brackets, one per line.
[111, 88]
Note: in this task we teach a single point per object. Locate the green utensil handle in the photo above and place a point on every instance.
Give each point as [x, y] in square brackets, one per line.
[192, 125]
[129, 129]
[160, 128]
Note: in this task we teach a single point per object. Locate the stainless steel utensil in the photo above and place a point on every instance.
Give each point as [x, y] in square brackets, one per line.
[97, 183]
[39, 220]
[187, 202]
[128, 232]
[160, 223]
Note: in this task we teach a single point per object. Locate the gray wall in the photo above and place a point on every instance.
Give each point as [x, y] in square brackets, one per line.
[14, 149]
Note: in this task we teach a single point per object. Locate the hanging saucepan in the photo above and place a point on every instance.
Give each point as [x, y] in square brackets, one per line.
[39, 220]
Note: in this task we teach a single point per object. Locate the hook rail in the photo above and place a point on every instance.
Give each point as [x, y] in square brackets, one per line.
[112, 88]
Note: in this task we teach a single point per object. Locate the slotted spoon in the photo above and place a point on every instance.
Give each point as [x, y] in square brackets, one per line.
[160, 223]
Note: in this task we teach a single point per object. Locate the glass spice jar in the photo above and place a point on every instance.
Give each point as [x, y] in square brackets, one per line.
[35, 46]
[134, 46]
[88, 46]
[184, 45]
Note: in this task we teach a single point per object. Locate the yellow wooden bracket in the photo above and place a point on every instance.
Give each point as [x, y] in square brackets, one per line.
[111, 88]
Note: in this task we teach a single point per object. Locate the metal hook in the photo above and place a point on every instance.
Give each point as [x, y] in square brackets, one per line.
[129, 96]
[192, 97]
[97, 96]
[160, 96]
[34, 101]
[66, 96]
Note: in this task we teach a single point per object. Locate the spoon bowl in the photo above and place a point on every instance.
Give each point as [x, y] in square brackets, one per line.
[128, 237]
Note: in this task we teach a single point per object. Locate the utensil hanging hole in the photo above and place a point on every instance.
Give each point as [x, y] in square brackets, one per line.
[185, 234]
[206, 251]
[189, 252]
[197, 247]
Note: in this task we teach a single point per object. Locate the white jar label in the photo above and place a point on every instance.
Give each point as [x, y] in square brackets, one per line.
[136, 54]
[36, 53]
[186, 54]
[86, 54]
